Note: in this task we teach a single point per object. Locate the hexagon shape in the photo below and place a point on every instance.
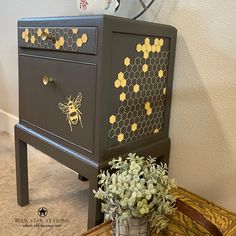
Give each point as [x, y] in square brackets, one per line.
[144, 48]
[147, 105]
[62, 41]
[164, 91]
[23, 35]
[79, 42]
[122, 96]
[158, 48]
[117, 83]
[26, 31]
[112, 119]
[84, 38]
[156, 131]
[160, 73]
[146, 54]
[57, 45]
[149, 111]
[120, 137]
[156, 41]
[145, 68]
[149, 48]
[147, 41]
[161, 42]
[127, 61]
[121, 76]
[134, 127]
[26, 38]
[139, 48]
[123, 83]
[136, 88]
[154, 48]
[32, 39]
[75, 30]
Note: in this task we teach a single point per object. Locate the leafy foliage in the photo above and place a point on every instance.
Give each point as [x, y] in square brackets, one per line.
[138, 187]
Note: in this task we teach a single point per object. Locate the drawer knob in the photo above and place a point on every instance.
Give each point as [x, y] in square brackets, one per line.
[47, 36]
[47, 80]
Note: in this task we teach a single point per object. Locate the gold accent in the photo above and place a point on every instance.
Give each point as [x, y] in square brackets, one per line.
[46, 31]
[164, 91]
[57, 45]
[149, 48]
[144, 48]
[120, 76]
[147, 41]
[149, 111]
[122, 96]
[145, 68]
[136, 84]
[39, 32]
[23, 35]
[79, 42]
[158, 48]
[123, 83]
[32, 39]
[160, 73]
[127, 61]
[136, 88]
[71, 109]
[156, 131]
[154, 48]
[62, 41]
[26, 38]
[84, 38]
[139, 48]
[146, 55]
[75, 30]
[26, 31]
[120, 137]
[156, 41]
[46, 80]
[147, 105]
[134, 127]
[117, 83]
[161, 42]
[112, 119]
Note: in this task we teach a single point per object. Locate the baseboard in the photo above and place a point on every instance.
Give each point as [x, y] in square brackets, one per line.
[7, 122]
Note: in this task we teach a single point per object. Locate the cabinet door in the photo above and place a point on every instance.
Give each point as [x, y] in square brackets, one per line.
[59, 97]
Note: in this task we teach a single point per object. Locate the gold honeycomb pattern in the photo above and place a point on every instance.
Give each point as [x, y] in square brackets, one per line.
[68, 39]
[142, 92]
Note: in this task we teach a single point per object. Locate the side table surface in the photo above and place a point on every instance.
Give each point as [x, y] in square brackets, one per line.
[182, 225]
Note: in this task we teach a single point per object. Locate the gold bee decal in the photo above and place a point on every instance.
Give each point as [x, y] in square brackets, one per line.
[71, 109]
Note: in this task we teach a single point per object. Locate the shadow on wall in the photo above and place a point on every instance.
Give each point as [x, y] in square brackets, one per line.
[201, 158]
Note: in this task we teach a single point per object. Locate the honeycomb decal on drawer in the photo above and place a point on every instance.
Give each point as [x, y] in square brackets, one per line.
[67, 39]
[142, 93]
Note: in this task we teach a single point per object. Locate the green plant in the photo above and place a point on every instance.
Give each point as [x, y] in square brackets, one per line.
[138, 187]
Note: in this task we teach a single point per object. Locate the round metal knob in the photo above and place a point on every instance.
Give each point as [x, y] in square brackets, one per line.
[47, 80]
[44, 36]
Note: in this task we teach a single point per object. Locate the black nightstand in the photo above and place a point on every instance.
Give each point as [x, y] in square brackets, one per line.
[92, 88]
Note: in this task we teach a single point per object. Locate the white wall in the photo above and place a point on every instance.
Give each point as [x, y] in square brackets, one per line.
[203, 124]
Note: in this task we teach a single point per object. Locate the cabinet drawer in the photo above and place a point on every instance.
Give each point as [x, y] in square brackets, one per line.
[69, 39]
[65, 105]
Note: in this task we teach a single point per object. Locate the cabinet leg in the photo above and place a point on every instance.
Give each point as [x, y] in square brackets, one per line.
[95, 216]
[82, 178]
[21, 172]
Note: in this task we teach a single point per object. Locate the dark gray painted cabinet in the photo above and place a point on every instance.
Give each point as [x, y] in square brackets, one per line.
[92, 88]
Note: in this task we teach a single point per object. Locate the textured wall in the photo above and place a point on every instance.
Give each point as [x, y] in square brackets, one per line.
[203, 124]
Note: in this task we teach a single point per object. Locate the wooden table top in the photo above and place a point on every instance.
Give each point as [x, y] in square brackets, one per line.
[182, 225]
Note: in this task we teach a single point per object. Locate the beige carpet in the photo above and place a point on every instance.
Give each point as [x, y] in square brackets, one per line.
[51, 185]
